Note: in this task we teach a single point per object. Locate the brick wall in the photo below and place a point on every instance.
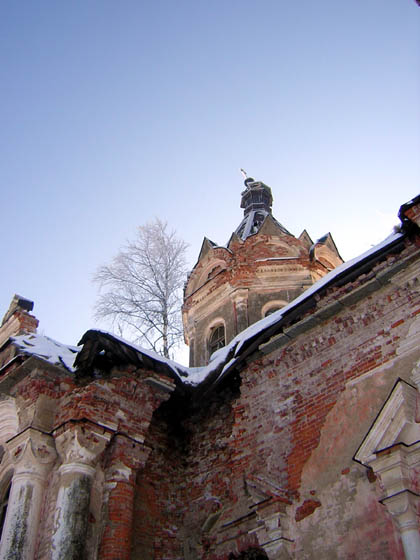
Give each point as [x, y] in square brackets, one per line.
[286, 436]
[52, 400]
[266, 460]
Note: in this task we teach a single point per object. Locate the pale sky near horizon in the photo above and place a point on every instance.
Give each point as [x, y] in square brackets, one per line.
[113, 113]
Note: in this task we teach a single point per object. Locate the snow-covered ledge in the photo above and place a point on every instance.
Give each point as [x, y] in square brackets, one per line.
[32, 454]
[79, 447]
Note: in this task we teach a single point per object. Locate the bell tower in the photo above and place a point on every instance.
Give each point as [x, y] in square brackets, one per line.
[262, 268]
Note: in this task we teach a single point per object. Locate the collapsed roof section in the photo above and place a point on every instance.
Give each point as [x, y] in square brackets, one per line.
[100, 351]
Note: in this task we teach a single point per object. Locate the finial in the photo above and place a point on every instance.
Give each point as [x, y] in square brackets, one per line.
[248, 180]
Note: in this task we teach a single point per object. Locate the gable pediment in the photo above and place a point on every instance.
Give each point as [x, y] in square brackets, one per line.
[306, 239]
[206, 246]
[325, 250]
[395, 423]
[270, 226]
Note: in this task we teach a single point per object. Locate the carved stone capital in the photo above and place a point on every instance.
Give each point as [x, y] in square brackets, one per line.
[396, 466]
[125, 458]
[32, 453]
[81, 445]
[403, 508]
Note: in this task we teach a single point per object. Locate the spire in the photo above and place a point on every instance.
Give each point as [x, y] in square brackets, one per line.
[256, 200]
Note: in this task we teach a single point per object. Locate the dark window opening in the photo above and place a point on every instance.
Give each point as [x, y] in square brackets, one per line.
[271, 310]
[258, 220]
[217, 339]
[241, 230]
[3, 507]
[251, 553]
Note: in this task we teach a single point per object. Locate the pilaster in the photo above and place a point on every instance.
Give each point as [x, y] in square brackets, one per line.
[397, 467]
[80, 447]
[404, 507]
[32, 453]
[125, 457]
[240, 301]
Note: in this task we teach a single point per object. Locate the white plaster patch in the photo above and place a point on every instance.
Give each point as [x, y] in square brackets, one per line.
[121, 471]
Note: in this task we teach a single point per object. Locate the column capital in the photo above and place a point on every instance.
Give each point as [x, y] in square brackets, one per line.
[403, 508]
[395, 467]
[80, 445]
[124, 458]
[32, 452]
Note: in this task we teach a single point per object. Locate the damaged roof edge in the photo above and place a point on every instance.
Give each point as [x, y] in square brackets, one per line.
[96, 343]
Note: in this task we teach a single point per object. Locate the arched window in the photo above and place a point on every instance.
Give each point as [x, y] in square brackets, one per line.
[272, 306]
[271, 310]
[215, 270]
[217, 339]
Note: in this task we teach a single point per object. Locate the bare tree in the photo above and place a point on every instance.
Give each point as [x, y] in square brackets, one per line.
[141, 289]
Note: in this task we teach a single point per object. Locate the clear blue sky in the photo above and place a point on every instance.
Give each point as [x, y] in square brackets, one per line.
[113, 113]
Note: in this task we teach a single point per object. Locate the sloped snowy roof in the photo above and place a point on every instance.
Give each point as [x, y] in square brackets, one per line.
[227, 357]
[223, 360]
[47, 348]
[108, 349]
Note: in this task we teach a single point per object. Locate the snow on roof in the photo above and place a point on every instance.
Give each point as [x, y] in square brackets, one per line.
[178, 369]
[222, 360]
[47, 348]
[227, 356]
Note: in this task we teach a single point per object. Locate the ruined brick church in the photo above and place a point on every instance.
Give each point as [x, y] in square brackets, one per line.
[294, 433]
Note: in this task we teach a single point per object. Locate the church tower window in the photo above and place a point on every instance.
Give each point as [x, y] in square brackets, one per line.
[271, 310]
[217, 339]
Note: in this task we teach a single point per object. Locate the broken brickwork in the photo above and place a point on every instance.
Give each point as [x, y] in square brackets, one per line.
[282, 438]
[301, 440]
